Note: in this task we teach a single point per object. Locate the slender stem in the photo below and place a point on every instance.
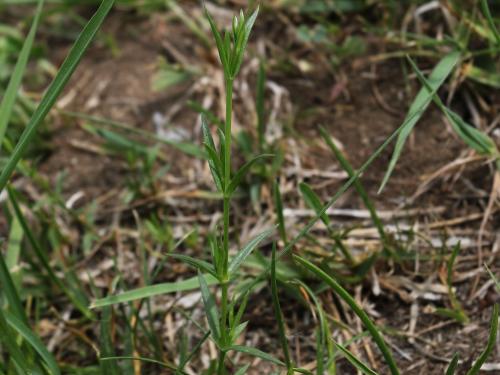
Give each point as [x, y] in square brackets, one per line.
[226, 204]
[227, 132]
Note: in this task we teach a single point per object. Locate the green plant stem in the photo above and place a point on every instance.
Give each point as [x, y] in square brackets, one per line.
[227, 132]
[226, 209]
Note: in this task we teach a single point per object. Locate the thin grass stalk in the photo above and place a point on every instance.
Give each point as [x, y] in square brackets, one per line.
[226, 213]
[357, 185]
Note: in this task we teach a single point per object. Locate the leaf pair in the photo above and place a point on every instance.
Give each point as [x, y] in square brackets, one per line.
[216, 162]
[235, 262]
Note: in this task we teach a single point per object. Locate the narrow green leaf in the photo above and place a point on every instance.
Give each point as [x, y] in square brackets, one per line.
[8, 340]
[10, 94]
[357, 184]
[235, 181]
[452, 367]
[141, 359]
[223, 53]
[278, 313]
[302, 371]
[260, 107]
[489, 77]
[238, 330]
[473, 137]
[153, 290]
[33, 340]
[490, 345]
[106, 344]
[342, 293]
[241, 309]
[314, 202]
[214, 161]
[192, 353]
[420, 103]
[210, 309]
[56, 87]
[489, 18]
[196, 263]
[242, 370]
[247, 250]
[240, 48]
[357, 363]
[9, 290]
[493, 277]
[256, 353]
[278, 203]
[323, 333]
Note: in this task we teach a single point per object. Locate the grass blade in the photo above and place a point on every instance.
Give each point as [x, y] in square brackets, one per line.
[314, 202]
[278, 313]
[214, 161]
[9, 290]
[357, 185]
[260, 107]
[11, 346]
[490, 345]
[420, 103]
[186, 360]
[493, 277]
[247, 250]
[78, 299]
[452, 367]
[210, 308]
[473, 137]
[278, 203]
[242, 370]
[342, 293]
[235, 181]
[10, 94]
[67, 68]
[142, 359]
[33, 340]
[106, 344]
[256, 353]
[196, 263]
[151, 291]
[489, 18]
[322, 341]
[360, 366]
